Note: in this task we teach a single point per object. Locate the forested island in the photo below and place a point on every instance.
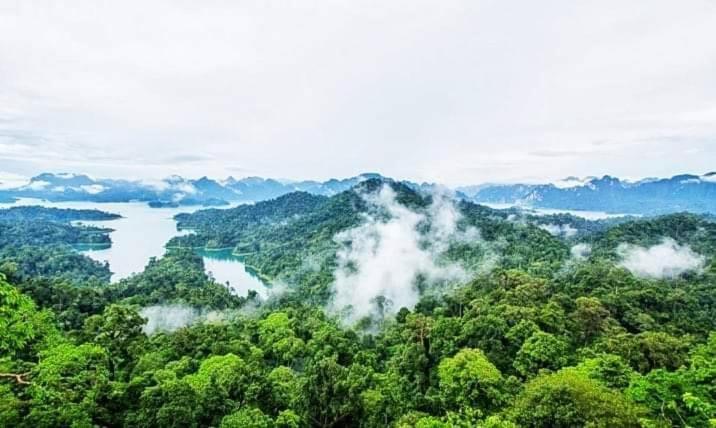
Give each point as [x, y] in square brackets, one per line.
[390, 306]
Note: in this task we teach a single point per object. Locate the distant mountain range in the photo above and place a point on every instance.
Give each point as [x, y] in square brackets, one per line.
[171, 191]
[694, 193]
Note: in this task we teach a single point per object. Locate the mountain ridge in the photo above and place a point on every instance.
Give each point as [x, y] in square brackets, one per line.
[607, 193]
[683, 192]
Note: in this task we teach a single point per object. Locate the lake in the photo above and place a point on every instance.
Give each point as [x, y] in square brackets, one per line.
[142, 232]
[589, 215]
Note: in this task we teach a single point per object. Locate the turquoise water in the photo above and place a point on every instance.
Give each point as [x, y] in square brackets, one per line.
[141, 233]
[224, 267]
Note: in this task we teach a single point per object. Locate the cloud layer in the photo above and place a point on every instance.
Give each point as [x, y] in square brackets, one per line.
[665, 260]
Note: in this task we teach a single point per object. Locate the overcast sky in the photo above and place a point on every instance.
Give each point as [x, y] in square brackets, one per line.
[449, 91]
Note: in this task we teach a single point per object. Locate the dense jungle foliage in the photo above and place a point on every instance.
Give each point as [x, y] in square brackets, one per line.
[39, 242]
[543, 337]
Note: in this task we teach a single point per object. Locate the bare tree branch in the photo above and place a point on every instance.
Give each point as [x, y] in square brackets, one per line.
[18, 377]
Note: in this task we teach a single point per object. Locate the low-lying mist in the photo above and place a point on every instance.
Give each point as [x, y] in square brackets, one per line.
[168, 318]
[565, 230]
[665, 260]
[382, 261]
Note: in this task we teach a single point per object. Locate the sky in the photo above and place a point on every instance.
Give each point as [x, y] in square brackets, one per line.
[457, 92]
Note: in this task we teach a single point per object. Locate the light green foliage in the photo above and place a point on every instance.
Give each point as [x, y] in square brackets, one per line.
[277, 335]
[171, 403]
[469, 379]
[17, 313]
[610, 370]
[285, 387]
[247, 418]
[10, 406]
[541, 351]
[225, 372]
[288, 419]
[68, 384]
[570, 399]
[685, 396]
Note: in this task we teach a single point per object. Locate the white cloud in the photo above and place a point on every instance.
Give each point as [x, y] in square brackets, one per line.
[665, 260]
[168, 318]
[580, 252]
[156, 184]
[66, 175]
[93, 189]
[710, 178]
[386, 254]
[9, 180]
[184, 187]
[565, 230]
[37, 185]
[571, 182]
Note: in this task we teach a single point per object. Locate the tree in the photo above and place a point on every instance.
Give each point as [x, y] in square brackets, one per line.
[611, 370]
[541, 351]
[277, 336]
[569, 399]
[469, 379]
[685, 397]
[67, 385]
[325, 397]
[285, 388]
[249, 417]
[589, 317]
[20, 321]
[172, 403]
[119, 330]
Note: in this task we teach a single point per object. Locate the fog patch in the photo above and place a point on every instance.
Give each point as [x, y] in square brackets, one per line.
[580, 252]
[382, 262]
[565, 230]
[665, 260]
[37, 185]
[169, 318]
[93, 189]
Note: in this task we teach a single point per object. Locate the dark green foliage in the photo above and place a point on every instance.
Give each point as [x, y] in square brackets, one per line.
[53, 261]
[40, 232]
[178, 277]
[61, 215]
[39, 242]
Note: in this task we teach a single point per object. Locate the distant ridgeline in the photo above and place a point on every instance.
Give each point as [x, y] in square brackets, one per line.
[170, 192]
[652, 196]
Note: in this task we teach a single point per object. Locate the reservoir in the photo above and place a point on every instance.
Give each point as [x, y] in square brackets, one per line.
[142, 232]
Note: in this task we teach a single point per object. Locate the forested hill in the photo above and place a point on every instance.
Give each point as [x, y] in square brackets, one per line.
[63, 215]
[279, 236]
[390, 307]
[222, 227]
[39, 241]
